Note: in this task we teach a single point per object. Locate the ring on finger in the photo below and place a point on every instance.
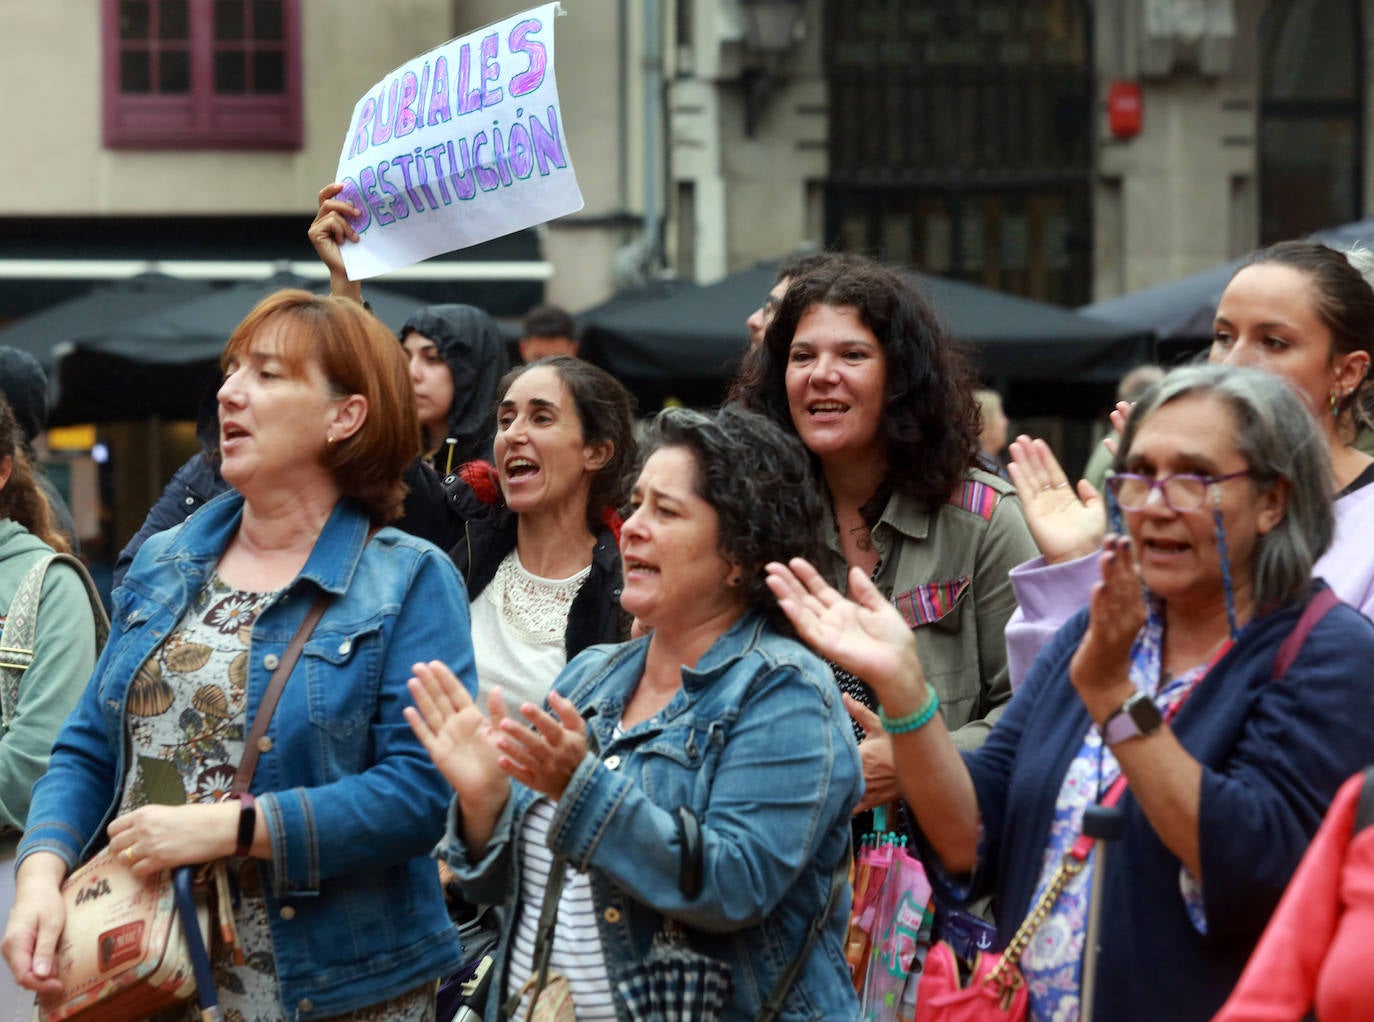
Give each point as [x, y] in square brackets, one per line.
[128, 855]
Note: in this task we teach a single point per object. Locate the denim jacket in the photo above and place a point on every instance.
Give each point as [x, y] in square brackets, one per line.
[353, 803]
[758, 746]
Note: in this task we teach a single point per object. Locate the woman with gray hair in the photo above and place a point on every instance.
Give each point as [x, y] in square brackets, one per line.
[1173, 693]
[1297, 309]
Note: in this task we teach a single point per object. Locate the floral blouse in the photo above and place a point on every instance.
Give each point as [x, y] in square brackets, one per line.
[1051, 964]
[185, 727]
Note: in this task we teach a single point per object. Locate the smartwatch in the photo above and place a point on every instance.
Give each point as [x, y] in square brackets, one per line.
[248, 818]
[1137, 717]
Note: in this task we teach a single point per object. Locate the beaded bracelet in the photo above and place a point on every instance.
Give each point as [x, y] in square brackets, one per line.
[912, 721]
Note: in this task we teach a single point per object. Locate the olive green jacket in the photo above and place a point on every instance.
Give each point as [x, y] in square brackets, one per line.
[947, 572]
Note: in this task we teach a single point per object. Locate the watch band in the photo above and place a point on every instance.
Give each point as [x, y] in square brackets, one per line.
[1118, 727]
[248, 820]
[1138, 716]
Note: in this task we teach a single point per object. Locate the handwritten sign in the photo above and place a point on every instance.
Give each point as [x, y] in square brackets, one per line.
[460, 145]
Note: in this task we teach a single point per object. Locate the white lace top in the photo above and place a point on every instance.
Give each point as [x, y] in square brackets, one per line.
[518, 626]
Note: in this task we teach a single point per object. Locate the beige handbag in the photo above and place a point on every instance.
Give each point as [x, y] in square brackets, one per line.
[123, 954]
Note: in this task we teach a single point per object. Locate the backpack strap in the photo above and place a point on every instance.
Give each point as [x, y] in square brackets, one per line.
[21, 628]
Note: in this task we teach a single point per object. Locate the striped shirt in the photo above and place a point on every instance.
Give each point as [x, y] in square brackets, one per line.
[577, 950]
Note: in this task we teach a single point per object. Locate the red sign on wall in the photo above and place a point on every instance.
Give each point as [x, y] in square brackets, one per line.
[1124, 106]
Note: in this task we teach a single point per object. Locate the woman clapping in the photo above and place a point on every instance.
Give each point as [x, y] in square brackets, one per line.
[1229, 760]
[655, 770]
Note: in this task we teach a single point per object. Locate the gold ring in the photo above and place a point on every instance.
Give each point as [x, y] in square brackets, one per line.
[128, 855]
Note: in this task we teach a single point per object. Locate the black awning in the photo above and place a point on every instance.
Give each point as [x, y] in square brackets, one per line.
[271, 239]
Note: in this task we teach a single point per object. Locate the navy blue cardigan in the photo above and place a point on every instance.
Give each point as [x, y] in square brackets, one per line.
[1273, 755]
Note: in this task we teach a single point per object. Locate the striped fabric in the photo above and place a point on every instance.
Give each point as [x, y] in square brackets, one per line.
[930, 601]
[980, 498]
[577, 950]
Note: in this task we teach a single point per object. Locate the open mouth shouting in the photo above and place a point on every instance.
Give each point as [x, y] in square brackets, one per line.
[229, 433]
[635, 567]
[520, 469]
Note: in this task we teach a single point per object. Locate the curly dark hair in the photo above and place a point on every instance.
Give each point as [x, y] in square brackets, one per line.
[757, 478]
[21, 500]
[606, 411]
[931, 423]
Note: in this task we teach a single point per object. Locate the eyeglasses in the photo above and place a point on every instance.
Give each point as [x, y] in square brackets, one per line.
[1183, 492]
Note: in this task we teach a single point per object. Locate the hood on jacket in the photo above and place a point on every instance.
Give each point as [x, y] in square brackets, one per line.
[471, 345]
[17, 541]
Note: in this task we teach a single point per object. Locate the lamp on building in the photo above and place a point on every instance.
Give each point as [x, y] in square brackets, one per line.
[772, 26]
[771, 29]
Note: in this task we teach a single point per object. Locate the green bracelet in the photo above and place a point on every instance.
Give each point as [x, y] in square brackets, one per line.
[912, 721]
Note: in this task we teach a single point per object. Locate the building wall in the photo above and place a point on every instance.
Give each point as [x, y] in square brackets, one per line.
[1179, 197]
[341, 57]
[755, 192]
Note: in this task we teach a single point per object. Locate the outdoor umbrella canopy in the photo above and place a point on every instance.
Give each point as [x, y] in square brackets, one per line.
[1183, 310]
[674, 333]
[161, 363]
[97, 309]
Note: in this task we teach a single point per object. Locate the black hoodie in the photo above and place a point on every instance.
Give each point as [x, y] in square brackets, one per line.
[470, 344]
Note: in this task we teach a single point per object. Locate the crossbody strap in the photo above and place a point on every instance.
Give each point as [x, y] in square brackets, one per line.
[1364, 808]
[1077, 855]
[543, 941]
[243, 777]
[839, 880]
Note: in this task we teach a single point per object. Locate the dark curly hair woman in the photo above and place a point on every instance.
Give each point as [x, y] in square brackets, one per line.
[858, 366]
[655, 770]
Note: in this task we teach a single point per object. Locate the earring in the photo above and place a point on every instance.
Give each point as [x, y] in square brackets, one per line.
[735, 581]
[1336, 396]
[329, 438]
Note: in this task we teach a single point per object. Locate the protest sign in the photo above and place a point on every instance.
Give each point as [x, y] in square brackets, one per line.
[460, 145]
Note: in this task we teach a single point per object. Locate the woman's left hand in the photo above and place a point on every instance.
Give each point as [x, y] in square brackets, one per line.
[875, 754]
[160, 837]
[1100, 668]
[546, 757]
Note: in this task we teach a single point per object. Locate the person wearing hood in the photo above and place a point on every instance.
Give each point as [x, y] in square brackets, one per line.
[453, 406]
[25, 387]
[64, 645]
[457, 358]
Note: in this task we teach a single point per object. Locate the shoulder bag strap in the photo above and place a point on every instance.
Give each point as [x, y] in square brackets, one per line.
[243, 777]
[839, 880]
[1314, 611]
[543, 942]
[1364, 809]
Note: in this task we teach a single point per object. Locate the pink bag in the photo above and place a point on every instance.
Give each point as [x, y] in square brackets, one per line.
[995, 992]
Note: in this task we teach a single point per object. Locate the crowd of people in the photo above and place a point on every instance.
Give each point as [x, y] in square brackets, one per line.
[631, 684]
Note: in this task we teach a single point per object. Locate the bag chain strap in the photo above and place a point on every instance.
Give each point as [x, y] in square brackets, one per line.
[1006, 976]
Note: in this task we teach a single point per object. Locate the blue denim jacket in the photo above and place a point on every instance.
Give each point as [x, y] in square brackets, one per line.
[758, 745]
[354, 804]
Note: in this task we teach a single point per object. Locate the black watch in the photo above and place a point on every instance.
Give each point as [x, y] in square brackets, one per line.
[1138, 716]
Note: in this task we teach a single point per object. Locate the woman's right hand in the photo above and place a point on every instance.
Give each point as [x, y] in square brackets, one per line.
[327, 234]
[35, 923]
[1065, 525]
[865, 635]
[460, 740]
